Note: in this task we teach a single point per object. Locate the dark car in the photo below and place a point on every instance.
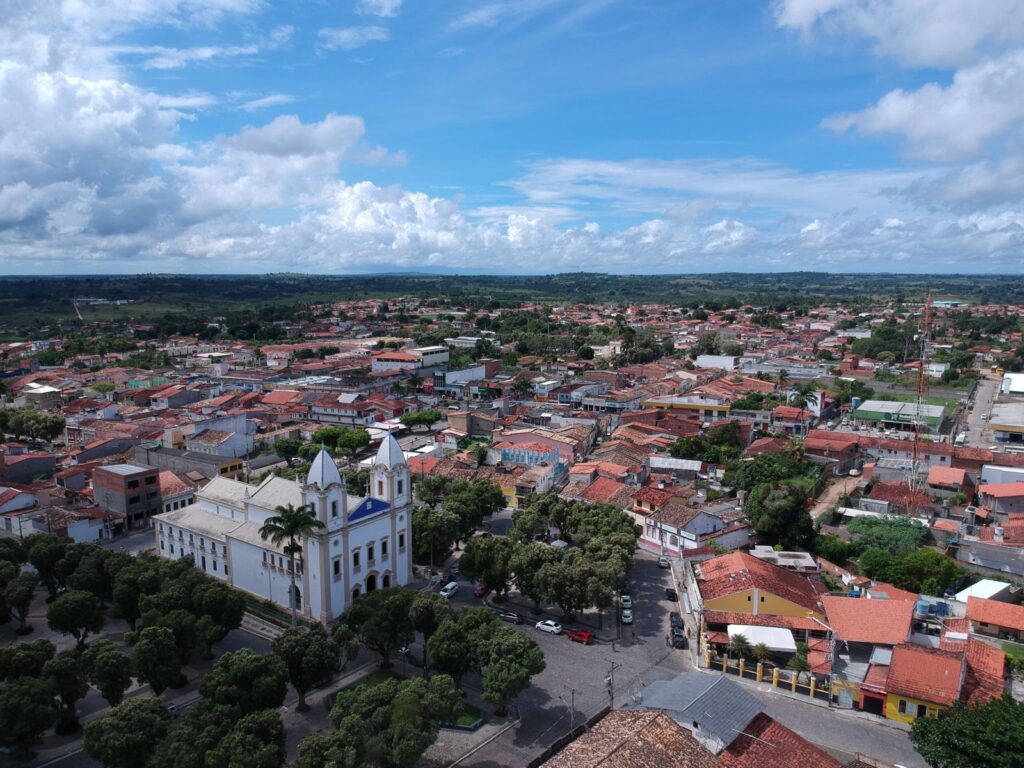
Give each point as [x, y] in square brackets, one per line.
[675, 620]
[511, 617]
[671, 594]
[581, 636]
[679, 639]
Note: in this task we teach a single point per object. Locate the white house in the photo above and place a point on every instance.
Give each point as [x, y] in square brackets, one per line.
[366, 543]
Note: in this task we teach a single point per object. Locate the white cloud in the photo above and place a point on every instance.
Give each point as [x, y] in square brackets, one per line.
[727, 235]
[350, 38]
[948, 123]
[386, 8]
[192, 100]
[273, 100]
[930, 33]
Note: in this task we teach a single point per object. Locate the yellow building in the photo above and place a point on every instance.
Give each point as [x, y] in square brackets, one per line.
[741, 583]
[922, 682]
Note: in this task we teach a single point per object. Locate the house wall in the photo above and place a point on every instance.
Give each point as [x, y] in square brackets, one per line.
[892, 708]
[758, 602]
[86, 530]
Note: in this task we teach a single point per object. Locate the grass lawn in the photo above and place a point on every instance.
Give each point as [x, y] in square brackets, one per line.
[467, 715]
[1014, 651]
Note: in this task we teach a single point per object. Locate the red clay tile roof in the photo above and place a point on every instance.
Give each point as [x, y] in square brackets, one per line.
[858, 620]
[928, 674]
[828, 444]
[899, 494]
[1002, 490]
[994, 612]
[739, 571]
[635, 739]
[947, 477]
[766, 445]
[602, 490]
[766, 742]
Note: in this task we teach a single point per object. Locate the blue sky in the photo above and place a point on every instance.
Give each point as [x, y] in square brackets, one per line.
[511, 136]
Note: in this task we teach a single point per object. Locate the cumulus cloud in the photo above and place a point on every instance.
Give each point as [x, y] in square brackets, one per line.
[350, 38]
[948, 123]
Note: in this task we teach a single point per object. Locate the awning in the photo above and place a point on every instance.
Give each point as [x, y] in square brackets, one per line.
[776, 638]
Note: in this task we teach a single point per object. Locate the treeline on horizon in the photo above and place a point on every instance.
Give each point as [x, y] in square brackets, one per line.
[28, 301]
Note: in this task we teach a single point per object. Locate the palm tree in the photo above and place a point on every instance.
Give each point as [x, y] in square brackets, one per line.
[761, 652]
[290, 524]
[781, 378]
[803, 395]
[415, 380]
[799, 664]
[739, 646]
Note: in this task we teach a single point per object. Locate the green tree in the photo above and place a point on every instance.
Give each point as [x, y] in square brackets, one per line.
[526, 563]
[44, 552]
[380, 619]
[989, 735]
[26, 711]
[489, 560]
[287, 448]
[458, 645]
[125, 736]
[415, 419]
[76, 614]
[434, 531]
[220, 609]
[779, 514]
[427, 612]
[108, 669]
[25, 659]
[182, 624]
[255, 741]
[155, 659]
[799, 664]
[510, 659]
[761, 652]
[246, 680]
[898, 535]
[311, 657]
[66, 674]
[739, 646]
[292, 525]
[18, 595]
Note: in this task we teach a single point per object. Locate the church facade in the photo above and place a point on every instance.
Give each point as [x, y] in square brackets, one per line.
[365, 544]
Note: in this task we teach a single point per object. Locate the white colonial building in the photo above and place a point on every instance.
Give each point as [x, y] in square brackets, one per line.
[366, 542]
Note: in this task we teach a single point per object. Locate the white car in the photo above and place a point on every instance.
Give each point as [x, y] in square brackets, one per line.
[627, 616]
[448, 590]
[626, 601]
[552, 627]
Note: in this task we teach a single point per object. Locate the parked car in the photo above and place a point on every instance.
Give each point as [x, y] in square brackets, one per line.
[663, 562]
[549, 626]
[679, 638]
[671, 594]
[626, 601]
[511, 617]
[448, 590]
[481, 591]
[627, 616]
[581, 636]
[675, 620]
[454, 570]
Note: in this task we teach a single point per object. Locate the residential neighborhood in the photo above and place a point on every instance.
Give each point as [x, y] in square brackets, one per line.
[751, 527]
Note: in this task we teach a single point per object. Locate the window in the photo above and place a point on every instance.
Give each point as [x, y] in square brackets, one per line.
[160, 527]
[355, 559]
[225, 569]
[369, 553]
[401, 487]
[172, 548]
[204, 562]
[401, 542]
[762, 598]
[334, 509]
[922, 710]
[748, 598]
[384, 548]
[312, 507]
[903, 706]
[214, 566]
[190, 539]
[134, 499]
[337, 567]
[162, 544]
[132, 484]
[151, 480]
[264, 558]
[380, 487]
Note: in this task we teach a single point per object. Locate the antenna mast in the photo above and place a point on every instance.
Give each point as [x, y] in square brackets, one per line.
[914, 477]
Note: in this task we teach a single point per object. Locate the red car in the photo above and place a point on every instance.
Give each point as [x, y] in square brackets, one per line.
[481, 591]
[581, 636]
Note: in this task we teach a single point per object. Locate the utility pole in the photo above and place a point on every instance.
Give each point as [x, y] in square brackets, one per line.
[572, 709]
[610, 682]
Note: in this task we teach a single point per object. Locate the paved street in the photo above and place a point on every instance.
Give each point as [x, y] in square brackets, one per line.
[978, 434]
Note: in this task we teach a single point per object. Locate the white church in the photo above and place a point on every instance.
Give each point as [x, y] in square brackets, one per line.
[366, 542]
